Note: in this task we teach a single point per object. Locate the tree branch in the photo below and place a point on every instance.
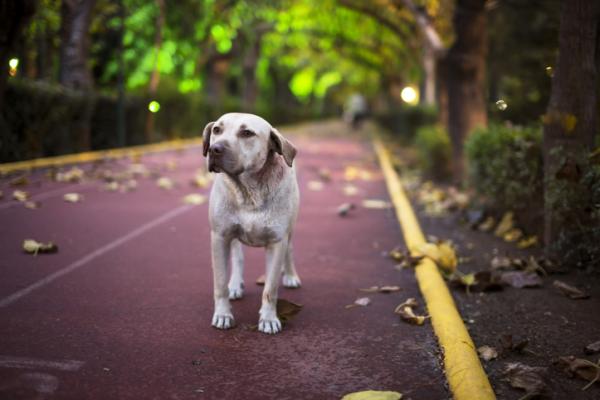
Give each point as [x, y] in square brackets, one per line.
[432, 38]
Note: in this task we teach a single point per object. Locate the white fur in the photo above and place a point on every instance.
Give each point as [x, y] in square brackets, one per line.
[254, 201]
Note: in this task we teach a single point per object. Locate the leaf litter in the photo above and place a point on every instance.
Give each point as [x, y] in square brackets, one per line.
[34, 247]
[373, 395]
[487, 353]
[360, 302]
[406, 312]
[525, 377]
[570, 291]
[581, 368]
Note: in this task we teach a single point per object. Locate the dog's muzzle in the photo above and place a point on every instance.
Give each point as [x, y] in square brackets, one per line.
[215, 160]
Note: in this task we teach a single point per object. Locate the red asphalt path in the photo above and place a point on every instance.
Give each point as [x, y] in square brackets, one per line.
[131, 317]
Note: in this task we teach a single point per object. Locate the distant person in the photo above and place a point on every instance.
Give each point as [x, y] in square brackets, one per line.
[355, 110]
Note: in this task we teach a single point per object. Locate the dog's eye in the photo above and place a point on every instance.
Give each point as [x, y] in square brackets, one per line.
[216, 130]
[246, 133]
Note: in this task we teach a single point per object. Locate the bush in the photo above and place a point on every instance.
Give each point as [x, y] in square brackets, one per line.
[406, 120]
[505, 165]
[433, 151]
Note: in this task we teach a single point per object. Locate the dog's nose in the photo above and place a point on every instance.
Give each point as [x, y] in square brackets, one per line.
[216, 149]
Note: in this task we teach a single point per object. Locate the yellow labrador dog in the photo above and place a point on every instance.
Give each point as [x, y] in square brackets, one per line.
[254, 201]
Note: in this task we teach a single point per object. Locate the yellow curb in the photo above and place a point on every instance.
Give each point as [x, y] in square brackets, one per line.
[91, 156]
[464, 372]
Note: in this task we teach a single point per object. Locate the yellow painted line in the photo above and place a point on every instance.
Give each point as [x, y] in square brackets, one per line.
[91, 156]
[464, 372]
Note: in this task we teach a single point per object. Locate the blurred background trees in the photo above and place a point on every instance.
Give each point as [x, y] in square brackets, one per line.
[442, 74]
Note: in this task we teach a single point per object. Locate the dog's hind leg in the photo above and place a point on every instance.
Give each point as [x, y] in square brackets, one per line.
[290, 276]
[268, 321]
[236, 281]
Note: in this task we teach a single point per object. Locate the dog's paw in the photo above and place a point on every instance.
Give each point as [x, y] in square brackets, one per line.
[236, 291]
[223, 321]
[291, 281]
[270, 326]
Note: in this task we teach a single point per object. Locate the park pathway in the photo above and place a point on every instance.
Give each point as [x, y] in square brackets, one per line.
[123, 310]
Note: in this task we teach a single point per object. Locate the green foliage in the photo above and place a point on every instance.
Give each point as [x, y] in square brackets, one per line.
[575, 203]
[433, 151]
[505, 165]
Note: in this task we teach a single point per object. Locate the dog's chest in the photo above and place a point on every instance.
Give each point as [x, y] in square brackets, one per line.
[257, 229]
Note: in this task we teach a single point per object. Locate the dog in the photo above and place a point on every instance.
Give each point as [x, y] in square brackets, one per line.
[254, 201]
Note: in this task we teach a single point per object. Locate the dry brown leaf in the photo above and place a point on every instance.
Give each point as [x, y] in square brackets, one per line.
[32, 205]
[72, 197]
[260, 281]
[112, 186]
[376, 204]
[73, 175]
[20, 195]
[570, 291]
[350, 190]
[286, 310]
[194, 199]
[525, 377]
[521, 279]
[372, 289]
[581, 368]
[405, 310]
[509, 344]
[315, 186]
[165, 183]
[34, 247]
[324, 174]
[592, 348]
[487, 353]
[344, 209]
[389, 289]
[360, 302]
[21, 180]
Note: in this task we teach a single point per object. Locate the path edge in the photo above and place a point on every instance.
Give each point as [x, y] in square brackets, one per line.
[464, 372]
[90, 156]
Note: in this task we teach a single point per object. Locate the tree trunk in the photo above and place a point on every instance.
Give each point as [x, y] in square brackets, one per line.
[571, 120]
[465, 77]
[250, 83]
[155, 76]
[74, 73]
[429, 76]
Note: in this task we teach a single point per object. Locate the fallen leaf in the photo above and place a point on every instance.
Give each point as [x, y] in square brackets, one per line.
[165, 183]
[137, 169]
[487, 225]
[34, 247]
[20, 195]
[442, 254]
[286, 310]
[513, 235]
[129, 185]
[527, 242]
[112, 186]
[360, 302]
[324, 174]
[506, 224]
[373, 395]
[72, 197]
[344, 209]
[521, 279]
[525, 377]
[592, 348]
[315, 186]
[201, 179]
[500, 263]
[171, 165]
[467, 280]
[509, 344]
[570, 291]
[260, 281]
[405, 310]
[389, 289]
[32, 205]
[403, 258]
[581, 368]
[73, 175]
[350, 190]
[376, 204]
[21, 180]
[487, 353]
[372, 289]
[194, 199]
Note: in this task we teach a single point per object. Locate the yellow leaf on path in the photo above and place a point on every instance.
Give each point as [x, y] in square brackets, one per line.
[315, 185]
[20, 195]
[165, 183]
[194, 199]
[32, 205]
[350, 190]
[373, 395]
[260, 281]
[527, 242]
[376, 204]
[112, 186]
[506, 224]
[72, 197]
[34, 247]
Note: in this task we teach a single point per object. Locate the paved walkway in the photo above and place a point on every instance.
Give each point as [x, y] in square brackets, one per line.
[123, 310]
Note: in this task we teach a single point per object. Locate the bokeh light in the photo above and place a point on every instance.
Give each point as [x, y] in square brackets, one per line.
[410, 95]
[154, 106]
[501, 104]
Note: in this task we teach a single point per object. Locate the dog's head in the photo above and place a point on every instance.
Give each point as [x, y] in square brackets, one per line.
[237, 143]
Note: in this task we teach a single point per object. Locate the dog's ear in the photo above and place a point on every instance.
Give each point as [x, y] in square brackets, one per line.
[282, 146]
[206, 138]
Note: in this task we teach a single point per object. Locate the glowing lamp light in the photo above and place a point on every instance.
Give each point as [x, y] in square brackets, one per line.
[154, 106]
[13, 63]
[409, 95]
[549, 71]
[501, 104]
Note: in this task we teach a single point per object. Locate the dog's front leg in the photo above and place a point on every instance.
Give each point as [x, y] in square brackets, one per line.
[221, 247]
[268, 322]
